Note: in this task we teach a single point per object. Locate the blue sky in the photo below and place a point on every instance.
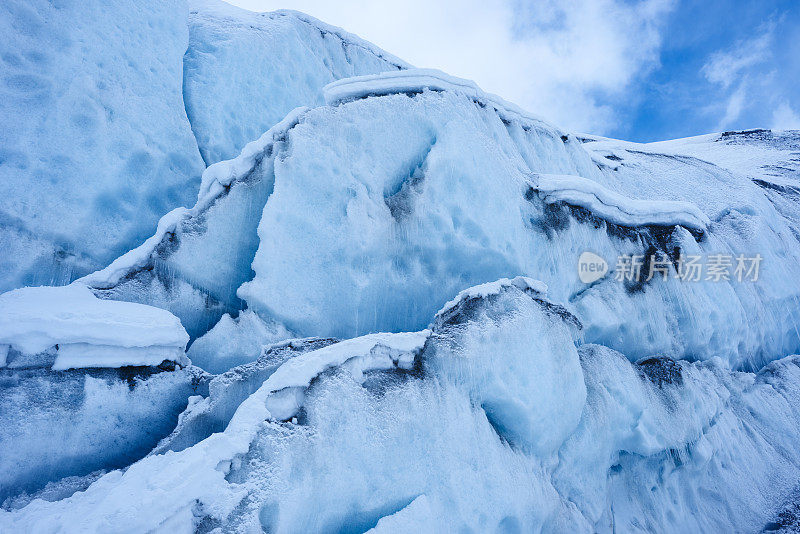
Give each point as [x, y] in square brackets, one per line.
[722, 65]
[641, 70]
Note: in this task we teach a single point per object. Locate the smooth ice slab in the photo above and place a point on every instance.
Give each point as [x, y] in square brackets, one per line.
[244, 71]
[96, 145]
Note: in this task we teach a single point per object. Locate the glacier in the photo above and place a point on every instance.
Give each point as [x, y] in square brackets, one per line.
[644, 442]
[113, 118]
[284, 281]
[396, 210]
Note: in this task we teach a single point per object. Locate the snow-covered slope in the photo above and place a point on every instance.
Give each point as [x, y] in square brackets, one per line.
[760, 154]
[770, 159]
[95, 144]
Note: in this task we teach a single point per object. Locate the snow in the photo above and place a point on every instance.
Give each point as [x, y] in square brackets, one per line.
[87, 331]
[417, 516]
[245, 71]
[616, 208]
[360, 355]
[96, 144]
[219, 176]
[481, 291]
[416, 81]
[762, 154]
[138, 257]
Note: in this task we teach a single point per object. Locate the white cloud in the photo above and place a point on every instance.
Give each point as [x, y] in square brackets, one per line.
[733, 109]
[724, 67]
[553, 57]
[785, 118]
[739, 74]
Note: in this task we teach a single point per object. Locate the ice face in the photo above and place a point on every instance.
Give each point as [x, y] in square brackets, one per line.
[244, 71]
[197, 257]
[527, 379]
[234, 342]
[687, 437]
[390, 239]
[96, 144]
[375, 445]
[72, 423]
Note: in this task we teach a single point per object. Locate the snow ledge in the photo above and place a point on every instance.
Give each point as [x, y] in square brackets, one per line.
[86, 331]
[417, 81]
[493, 288]
[616, 208]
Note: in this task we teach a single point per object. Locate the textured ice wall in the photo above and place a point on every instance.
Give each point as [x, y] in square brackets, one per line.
[198, 257]
[660, 445]
[71, 423]
[385, 206]
[245, 71]
[396, 217]
[527, 380]
[95, 144]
